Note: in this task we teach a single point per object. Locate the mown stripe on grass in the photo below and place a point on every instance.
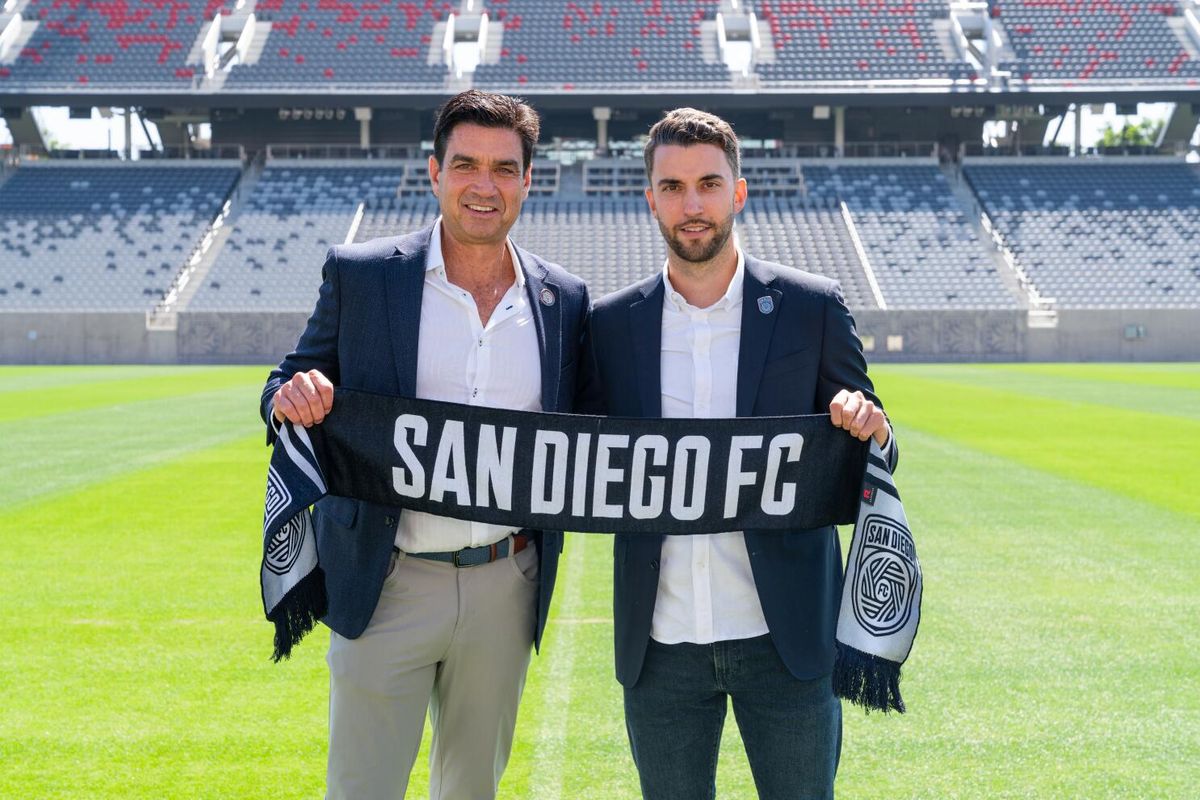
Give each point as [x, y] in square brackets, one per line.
[66, 451]
[1147, 456]
[16, 378]
[1047, 602]
[549, 749]
[1068, 383]
[104, 391]
[1165, 376]
[136, 659]
[1184, 375]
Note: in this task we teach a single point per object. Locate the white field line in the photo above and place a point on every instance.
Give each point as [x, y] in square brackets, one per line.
[550, 745]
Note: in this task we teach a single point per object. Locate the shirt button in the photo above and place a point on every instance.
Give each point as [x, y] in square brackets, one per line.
[475, 392]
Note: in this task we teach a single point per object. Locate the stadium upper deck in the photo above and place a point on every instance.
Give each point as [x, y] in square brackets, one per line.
[1114, 41]
[220, 48]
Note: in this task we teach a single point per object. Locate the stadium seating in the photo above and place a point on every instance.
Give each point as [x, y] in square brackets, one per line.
[601, 44]
[594, 44]
[917, 239]
[923, 252]
[819, 41]
[109, 238]
[82, 43]
[608, 243]
[1115, 40]
[392, 216]
[612, 242]
[315, 43]
[1117, 234]
[1100, 235]
[296, 211]
[808, 235]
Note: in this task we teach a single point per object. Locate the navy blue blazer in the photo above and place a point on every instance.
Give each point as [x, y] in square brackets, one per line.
[792, 360]
[363, 335]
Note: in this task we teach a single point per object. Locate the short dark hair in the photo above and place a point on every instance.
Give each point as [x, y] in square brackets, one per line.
[490, 111]
[689, 126]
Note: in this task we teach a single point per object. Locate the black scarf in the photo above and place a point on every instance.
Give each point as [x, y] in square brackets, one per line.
[602, 475]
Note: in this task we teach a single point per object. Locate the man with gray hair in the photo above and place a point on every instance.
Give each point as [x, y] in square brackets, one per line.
[743, 616]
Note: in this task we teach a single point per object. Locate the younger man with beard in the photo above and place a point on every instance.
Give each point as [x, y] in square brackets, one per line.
[747, 616]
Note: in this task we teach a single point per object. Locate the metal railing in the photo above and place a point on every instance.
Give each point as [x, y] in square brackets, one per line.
[227, 152]
[343, 151]
[163, 315]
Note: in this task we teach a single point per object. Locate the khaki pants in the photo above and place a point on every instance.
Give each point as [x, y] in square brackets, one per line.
[454, 641]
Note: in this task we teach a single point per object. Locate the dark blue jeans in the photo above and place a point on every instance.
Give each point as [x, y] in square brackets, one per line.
[792, 729]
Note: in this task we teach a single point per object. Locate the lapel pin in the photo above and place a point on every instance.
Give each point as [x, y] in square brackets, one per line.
[547, 297]
[765, 304]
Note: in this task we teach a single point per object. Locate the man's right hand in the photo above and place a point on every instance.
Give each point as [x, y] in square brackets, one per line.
[305, 399]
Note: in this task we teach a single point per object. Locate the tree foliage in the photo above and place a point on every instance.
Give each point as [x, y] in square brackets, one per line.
[1143, 134]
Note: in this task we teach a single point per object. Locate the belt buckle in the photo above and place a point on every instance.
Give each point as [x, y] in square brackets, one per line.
[457, 563]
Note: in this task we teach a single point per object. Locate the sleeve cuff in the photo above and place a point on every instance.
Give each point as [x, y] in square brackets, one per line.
[886, 450]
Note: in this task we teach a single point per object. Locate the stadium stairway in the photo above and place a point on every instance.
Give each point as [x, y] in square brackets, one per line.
[23, 32]
[238, 203]
[165, 315]
[1016, 283]
[253, 51]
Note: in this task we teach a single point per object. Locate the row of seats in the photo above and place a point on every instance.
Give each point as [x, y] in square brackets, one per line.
[819, 40]
[1111, 40]
[1099, 235]
[85, 43]
[922, 249]
[590, 43]
[611, 243]
[600, 43]
[103, 238]
[335, 42]
[273, 256]
[1124, 233]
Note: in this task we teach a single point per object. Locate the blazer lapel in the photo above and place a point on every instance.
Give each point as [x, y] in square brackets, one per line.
[645, 328]
[761, 305]
[545, 300]
[405, 284]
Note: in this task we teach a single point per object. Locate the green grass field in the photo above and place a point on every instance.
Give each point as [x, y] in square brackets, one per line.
[1056, 510]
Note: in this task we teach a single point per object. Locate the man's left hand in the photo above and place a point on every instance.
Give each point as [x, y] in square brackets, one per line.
[853, 412]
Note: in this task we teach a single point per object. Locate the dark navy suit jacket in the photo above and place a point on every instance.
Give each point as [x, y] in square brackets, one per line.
[363, 335]
[792, 360]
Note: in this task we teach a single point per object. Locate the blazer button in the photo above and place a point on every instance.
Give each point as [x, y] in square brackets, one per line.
[654, 564]
[389, 521]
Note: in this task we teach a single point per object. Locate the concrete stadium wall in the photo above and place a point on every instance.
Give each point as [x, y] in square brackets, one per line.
[1167, 334]
[942, 335]
[238, 337]
[83, 338]
[264, 338]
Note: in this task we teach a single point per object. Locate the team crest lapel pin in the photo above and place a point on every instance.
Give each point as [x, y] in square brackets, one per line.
[547, 297]
[765, 304]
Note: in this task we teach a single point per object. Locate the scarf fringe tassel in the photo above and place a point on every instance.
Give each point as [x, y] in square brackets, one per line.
[866, 680]
[298, 613]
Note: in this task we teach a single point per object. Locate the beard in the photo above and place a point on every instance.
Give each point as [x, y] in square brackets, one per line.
[697, 252]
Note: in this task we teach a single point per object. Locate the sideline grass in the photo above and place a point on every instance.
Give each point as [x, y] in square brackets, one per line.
[1054, 508]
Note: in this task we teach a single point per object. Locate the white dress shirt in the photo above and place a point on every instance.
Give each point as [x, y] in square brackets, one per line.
[706, 590]
[461, 360]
